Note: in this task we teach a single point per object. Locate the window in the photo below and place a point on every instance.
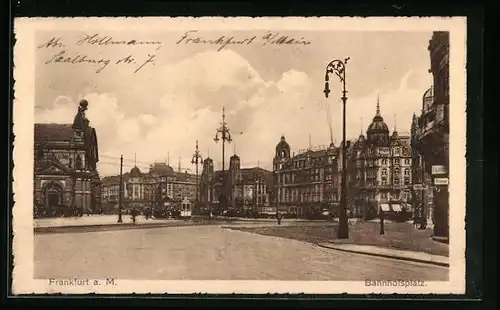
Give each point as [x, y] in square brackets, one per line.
[384, 172]
[407, 161]
[396, 151]
[384, 181]
[407, 172]
[384, 161]
[396, 181]
[384, 195]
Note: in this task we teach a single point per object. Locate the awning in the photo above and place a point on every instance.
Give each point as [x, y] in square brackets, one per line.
[385, 207]
[396, 207]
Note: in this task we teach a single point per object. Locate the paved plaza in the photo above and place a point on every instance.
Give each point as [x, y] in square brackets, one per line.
[210, 253]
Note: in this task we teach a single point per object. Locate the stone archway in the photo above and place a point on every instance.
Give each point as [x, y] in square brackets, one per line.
[53, 197]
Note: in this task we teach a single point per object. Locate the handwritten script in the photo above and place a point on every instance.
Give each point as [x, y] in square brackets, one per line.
[64, 52]
[270, 38]
[89, 49]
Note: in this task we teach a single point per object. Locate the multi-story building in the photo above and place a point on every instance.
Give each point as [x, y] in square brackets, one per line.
[379, 170]
[306, 183]
[161, 185]
[431, 136]
[66, 180]
[237, 188]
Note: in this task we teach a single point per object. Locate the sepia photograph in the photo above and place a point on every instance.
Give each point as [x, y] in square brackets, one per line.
[235, 155]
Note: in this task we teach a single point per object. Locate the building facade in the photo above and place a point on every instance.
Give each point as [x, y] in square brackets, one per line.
[66, 181]
[161, 186]
[431, 136]
[379, 170]
[235, 189]
[307, 183]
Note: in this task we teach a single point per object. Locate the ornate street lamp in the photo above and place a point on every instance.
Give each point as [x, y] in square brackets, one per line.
[197, 159]
[225, 136]
[339, 67]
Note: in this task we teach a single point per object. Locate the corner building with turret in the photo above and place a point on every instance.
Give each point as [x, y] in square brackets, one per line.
[380, 177]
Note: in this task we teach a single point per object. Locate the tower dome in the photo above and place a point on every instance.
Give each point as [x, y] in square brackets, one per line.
[378, 132]
[135, 172]
[283, 148]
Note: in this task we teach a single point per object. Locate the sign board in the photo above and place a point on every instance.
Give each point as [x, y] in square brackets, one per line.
[441, 181]
[418, 187]
[438, 169]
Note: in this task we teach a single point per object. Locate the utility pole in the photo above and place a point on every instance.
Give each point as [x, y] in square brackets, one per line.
[120, 197]
[255, 199]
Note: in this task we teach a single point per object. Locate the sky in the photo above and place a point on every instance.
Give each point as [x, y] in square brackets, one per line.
[157, 113]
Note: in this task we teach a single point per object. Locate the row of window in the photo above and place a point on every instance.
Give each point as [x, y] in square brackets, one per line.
[405, 196]
[396, 151]
[397, 181]
[397, 171]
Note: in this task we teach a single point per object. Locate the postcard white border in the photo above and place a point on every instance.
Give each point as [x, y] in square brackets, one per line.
[23, 111]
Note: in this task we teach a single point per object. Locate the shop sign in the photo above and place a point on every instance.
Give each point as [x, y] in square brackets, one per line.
[441, 181]
[438, 169]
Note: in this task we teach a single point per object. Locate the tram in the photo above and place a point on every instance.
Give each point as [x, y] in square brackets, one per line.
[186, 208]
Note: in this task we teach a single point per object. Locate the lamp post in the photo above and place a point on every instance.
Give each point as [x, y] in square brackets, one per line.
[225, 136]
[381, 215]
[196, 161]
[339, 67]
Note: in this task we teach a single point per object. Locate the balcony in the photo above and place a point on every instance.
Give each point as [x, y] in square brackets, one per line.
[384, 186]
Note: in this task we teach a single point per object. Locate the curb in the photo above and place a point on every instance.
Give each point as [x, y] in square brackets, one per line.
[441, 239]
[107, 227]
[411, 259]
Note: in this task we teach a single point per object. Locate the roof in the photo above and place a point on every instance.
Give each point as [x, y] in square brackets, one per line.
[378, 125]
[184, 177]
[53, 132]
[135, 172]
[313, 154]
[115, 179]
[282, 144]
[161, 168]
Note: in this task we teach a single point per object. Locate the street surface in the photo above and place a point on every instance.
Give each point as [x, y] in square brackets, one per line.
[209, 253]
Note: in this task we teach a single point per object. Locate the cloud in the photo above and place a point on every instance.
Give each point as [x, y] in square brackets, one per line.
[396, 106]
[187, 106]
[103, 112]
[148, 119]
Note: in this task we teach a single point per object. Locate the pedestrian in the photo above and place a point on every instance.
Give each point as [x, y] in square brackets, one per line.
[422, 220]
[279, 217]
[134, 215]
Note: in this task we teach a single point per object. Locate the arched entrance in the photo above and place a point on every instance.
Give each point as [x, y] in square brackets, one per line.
[53, 197]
